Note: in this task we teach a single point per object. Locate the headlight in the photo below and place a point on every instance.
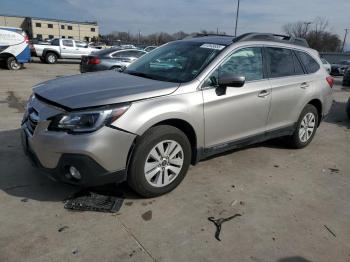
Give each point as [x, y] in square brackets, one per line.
[86, 121]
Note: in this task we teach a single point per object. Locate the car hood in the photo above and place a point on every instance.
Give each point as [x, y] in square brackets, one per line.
[101, 88]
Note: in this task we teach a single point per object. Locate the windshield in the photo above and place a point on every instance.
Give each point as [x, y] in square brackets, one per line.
[177, 62]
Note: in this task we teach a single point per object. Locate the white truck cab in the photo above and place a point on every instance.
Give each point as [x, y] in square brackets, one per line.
[62, 48]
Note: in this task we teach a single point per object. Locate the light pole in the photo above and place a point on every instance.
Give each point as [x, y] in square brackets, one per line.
[346, 34]
[306, 27]
[237, 13]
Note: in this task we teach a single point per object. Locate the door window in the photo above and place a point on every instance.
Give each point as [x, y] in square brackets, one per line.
[310, 64]
[81, 44]
[68, 43]
[298, 68]
[247, 62]
[281, 62]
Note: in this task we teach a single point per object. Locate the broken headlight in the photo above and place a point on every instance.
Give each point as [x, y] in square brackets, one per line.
[86, 121]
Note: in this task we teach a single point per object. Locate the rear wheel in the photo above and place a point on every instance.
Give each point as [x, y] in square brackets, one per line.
[51, 58]
[13, 64]
[159, 162]
[306, 128]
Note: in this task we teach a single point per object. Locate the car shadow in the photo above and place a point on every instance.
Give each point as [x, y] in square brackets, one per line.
[20, 179]
[293, 259]
[337, 115]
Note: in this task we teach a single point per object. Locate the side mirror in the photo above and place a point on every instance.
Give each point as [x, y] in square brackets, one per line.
[234, 81]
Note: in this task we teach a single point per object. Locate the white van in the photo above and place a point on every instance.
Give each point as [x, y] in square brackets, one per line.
[14, 48]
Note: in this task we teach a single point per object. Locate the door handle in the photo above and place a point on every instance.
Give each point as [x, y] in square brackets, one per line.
[304, 85]
[263, 93]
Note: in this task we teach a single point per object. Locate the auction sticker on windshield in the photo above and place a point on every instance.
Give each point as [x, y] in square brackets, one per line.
[213, 46]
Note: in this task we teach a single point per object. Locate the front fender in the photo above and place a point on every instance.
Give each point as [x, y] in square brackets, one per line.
[144, 114]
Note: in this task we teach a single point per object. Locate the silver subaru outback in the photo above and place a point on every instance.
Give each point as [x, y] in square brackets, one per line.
[182, 102]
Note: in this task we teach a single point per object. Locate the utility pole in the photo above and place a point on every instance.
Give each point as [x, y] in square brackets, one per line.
[237, 13]
[346, 34]
[138, 40]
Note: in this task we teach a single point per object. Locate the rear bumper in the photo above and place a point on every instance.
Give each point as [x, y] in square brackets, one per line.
[84, 68]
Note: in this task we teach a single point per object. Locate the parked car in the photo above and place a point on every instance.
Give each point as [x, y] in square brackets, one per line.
[147, 124]
[62, 48]
[326, 65]
[338, 69]
[150, 48]
[14, 48]
[127, 47]
[346, 78]
[108, 59]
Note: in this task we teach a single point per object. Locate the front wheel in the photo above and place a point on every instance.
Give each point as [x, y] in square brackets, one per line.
[159, 162]
[13, 64]
[348, 108]
[306, 128]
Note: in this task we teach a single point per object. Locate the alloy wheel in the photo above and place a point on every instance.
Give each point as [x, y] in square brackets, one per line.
[307, 127]
[51, 59]
[164, 163]
[15, 65]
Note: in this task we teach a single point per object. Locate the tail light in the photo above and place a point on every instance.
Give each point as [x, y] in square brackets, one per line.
[93, 60]
[26, 39]
[330, 81]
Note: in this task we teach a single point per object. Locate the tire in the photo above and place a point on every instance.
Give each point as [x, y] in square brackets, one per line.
[50, 58]
[142, 162]
[12, 64]
[301, 139]
[348, 108]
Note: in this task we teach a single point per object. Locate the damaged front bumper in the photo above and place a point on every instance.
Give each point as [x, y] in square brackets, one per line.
[54, 155]
[99, 156]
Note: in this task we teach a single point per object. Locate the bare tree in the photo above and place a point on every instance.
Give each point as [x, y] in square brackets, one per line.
[317, 33]
[116, 37]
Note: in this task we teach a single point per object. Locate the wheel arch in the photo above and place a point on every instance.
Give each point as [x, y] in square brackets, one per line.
[6, 55]
[45, 51]
[182, 125]
[318, 104]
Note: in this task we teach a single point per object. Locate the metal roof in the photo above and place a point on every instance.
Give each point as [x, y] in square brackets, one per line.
[53, 19]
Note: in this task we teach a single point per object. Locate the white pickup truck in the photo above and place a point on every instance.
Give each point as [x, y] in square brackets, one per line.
[61, 48]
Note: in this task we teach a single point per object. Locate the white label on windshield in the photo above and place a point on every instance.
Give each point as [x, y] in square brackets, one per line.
[213, 46]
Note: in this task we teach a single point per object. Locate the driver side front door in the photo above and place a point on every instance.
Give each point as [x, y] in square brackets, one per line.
[240, 113]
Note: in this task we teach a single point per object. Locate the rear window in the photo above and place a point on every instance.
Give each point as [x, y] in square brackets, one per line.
[282, 62]
[309, 63]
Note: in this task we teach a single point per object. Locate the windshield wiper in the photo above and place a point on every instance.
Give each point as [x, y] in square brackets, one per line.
[139, 74]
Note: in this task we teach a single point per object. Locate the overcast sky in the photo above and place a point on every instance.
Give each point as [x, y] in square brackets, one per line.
[187, 15]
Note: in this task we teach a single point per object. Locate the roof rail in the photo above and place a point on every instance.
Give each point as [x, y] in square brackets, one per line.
[271, 37]
[207, 34]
